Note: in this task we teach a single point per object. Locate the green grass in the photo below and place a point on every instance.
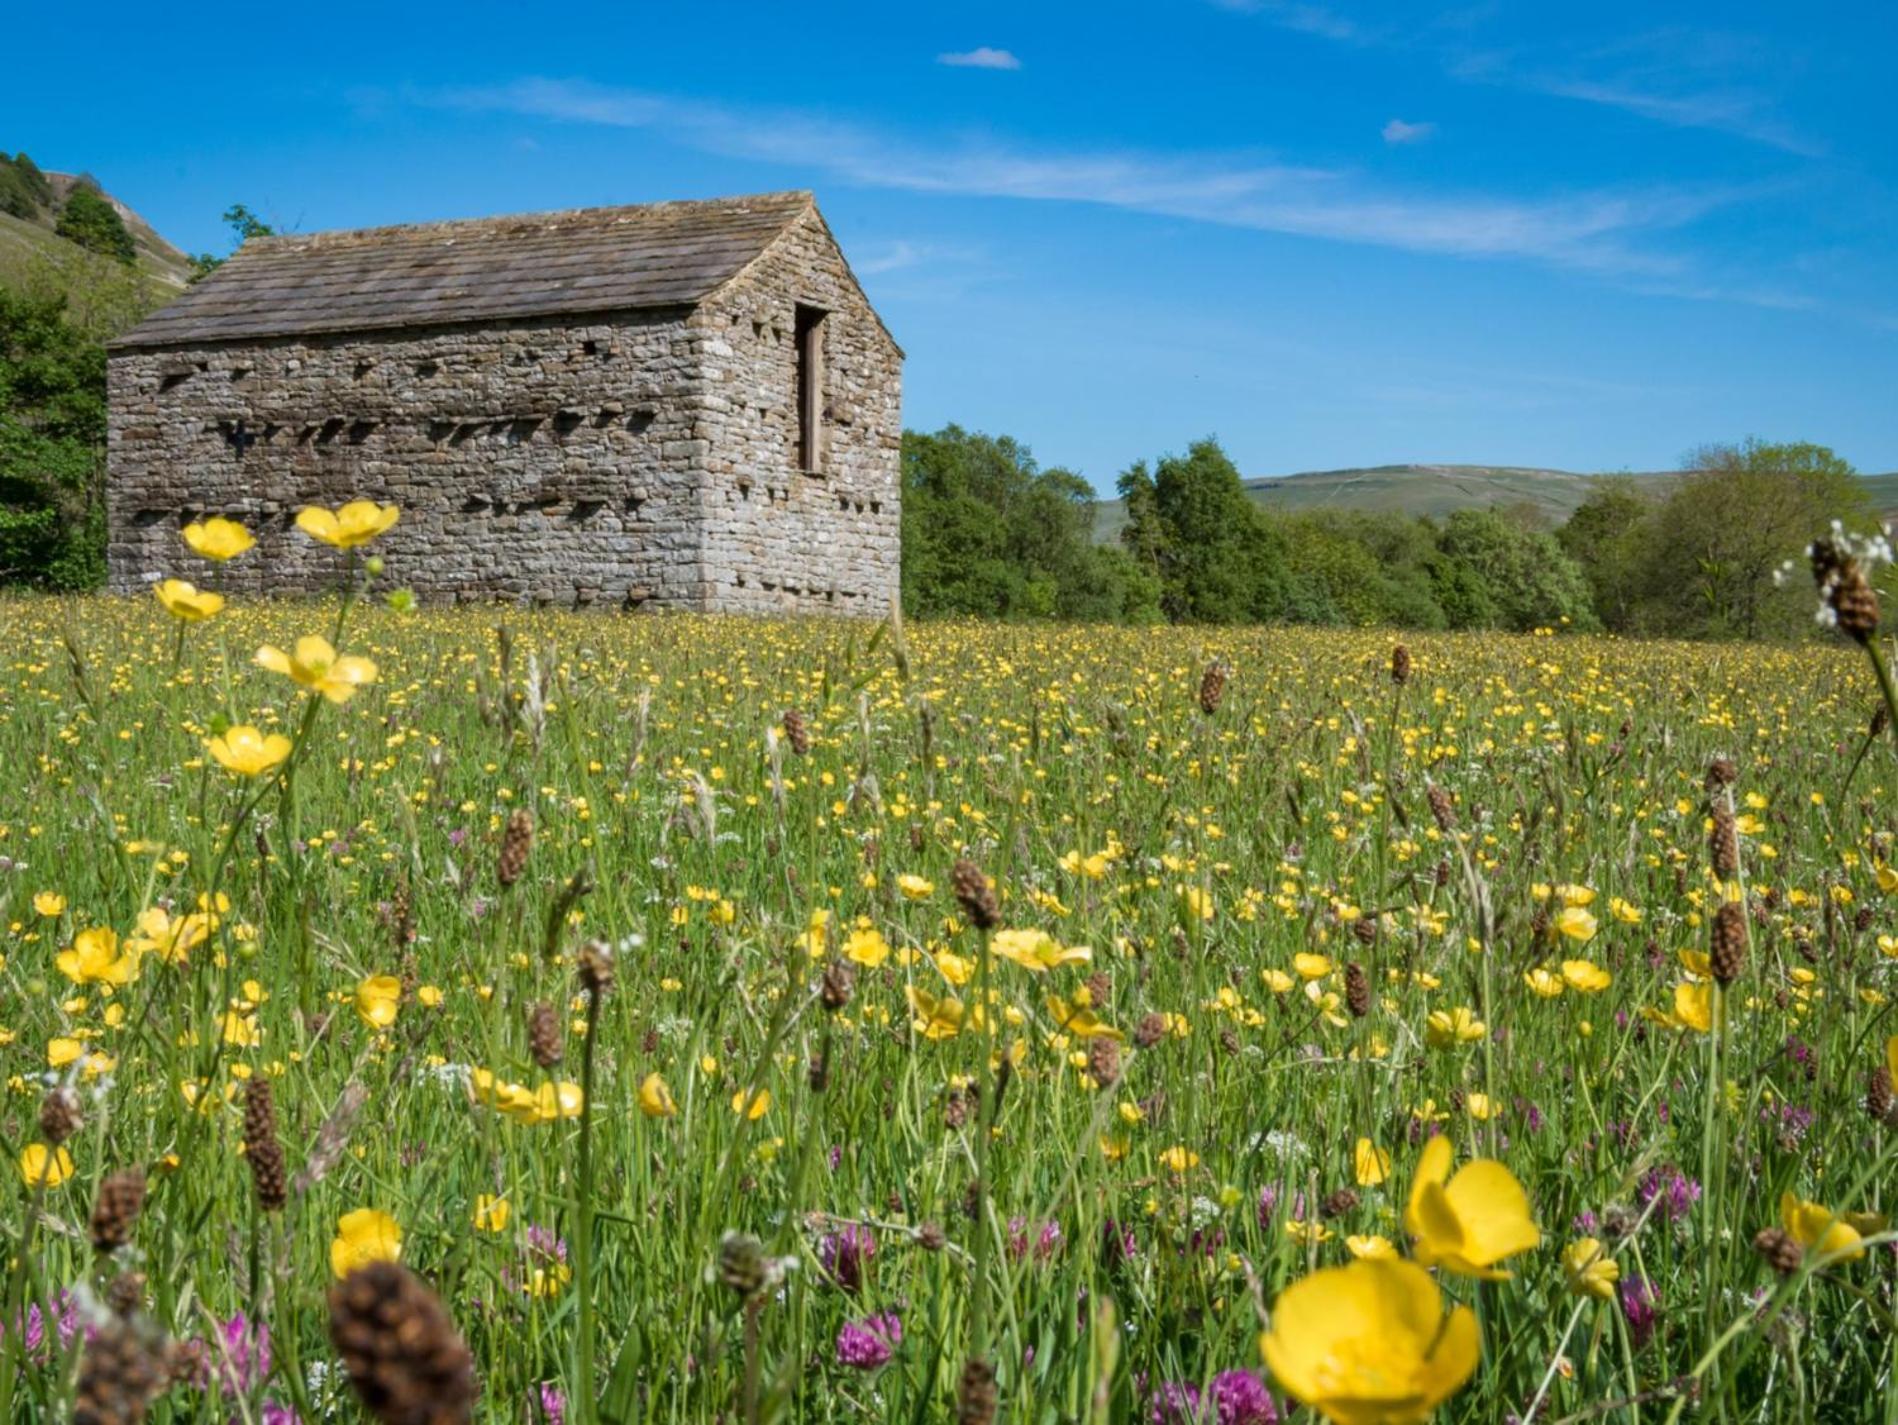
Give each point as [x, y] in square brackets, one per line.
[648, 754]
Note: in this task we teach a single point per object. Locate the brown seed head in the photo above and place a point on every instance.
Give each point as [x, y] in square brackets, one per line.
[119, 1377]
[115, 1210]
[839, 980]
[1726, 953]
[1212, 687]
[1103, 1061]
[975, 895]
[1780, 1249]
[543, 1034]
[930, 1237]
[403, 1354]
[1400, 665]
[517, 844]
[1441, 809]
[1723, 843]
[1721, 773]
[262, 1150]
[741, 1264]
[1357, 989]
[596, 968]
[976, 1396]
[1341, 1203]
[126, 1294]
[796, 731]
[1878, 1095]
[59, 1115]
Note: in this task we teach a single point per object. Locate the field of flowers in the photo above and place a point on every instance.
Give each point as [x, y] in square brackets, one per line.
[750, 1021]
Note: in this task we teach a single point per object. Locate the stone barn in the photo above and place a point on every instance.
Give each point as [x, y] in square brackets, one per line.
[679, 405]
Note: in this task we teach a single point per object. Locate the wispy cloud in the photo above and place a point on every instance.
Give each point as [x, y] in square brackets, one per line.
[1685, 78]
[1739, 112]
[1306, 18]
[1399, 132]
[982, 57]
[1601, 232]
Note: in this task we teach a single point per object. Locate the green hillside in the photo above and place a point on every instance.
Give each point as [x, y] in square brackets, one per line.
[1437, 490]
[28, 231]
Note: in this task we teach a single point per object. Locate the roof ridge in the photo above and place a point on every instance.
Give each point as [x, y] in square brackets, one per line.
[502, 222]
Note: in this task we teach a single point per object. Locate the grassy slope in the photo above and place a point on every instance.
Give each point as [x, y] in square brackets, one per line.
[1436, 490]
[157, 259]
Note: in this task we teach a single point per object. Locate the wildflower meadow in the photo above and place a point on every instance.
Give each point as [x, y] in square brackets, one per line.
[443, 1014]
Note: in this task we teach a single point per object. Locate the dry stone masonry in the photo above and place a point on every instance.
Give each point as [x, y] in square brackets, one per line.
[680, 405]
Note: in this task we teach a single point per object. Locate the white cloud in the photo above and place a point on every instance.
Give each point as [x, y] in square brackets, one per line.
[1687, 78]
[982, 57]
[1591, 231]
[1399, 132]
[1307, 19]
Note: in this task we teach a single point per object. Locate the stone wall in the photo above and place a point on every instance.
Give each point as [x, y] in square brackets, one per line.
[779, 538]
[645, 458]
[531, 460]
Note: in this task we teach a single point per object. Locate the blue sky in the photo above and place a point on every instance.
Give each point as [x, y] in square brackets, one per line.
[1584, 236]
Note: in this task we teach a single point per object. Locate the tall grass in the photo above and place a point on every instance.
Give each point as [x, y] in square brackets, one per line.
[1103, 1274]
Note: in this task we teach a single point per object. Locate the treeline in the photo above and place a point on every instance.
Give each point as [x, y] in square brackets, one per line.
[87, 217]
[987, 533]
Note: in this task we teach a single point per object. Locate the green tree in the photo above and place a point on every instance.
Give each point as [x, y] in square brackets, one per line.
[52, 446]
[1727, 525]
[89, 219]
[1611, 536]
[987, 533]
[1192, 526]
[1521, 575]
[244, 225]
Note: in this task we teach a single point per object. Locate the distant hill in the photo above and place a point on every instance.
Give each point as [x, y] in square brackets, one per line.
[24, 237]
[1437, 490]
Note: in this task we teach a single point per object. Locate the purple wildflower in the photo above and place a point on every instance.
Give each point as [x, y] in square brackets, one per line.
[1234, 1398]
[867, 1344]
[1241, 1399]
[845, 1255]
[1638, 1306]
[552, 1402]
[239, 1357]
[1268, 1200]
[1677, 1191]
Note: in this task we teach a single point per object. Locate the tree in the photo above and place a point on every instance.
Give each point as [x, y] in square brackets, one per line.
[89, 219]
[1729, 523]
[1610, 535]
[52, 446]
[244, 225]
[1191, 527]
[987, 533]
[1522, 575]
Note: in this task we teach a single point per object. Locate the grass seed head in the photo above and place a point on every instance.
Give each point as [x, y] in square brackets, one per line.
[406, 1360]
[975, 895]
[517, 844]
[1727, 945]
[596, 968]
[120, 1374]
[543, 1034]
[59, 1115]
[797, 732]
[115, 1210]
[976, 1396]
[262, 1150]
[1780, 1249]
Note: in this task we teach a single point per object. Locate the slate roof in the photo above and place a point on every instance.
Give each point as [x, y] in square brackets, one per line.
[587, 260]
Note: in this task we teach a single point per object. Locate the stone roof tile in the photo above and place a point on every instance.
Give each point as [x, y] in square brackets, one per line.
[582, 261]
